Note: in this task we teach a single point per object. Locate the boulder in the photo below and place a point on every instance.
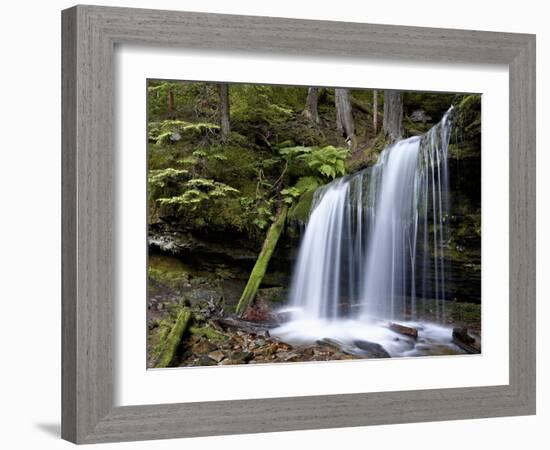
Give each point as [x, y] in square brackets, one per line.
[420, 115]
[373, 349]
[403, 329]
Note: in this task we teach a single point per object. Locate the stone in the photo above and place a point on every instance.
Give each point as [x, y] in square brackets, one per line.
[241, 357]
[175, 136]
[206, 361]
[420, 115]
[203, 347]
[373, 349]
[288, 356]
[217, 355]
[403, 329]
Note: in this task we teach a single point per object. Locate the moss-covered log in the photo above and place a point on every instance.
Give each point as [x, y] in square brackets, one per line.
[260, 267]
[174, 338]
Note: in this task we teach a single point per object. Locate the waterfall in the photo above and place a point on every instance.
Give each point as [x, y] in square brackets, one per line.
[374, 244]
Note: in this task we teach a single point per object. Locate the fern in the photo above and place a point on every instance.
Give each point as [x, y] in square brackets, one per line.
[159, 178]
[197, 191]
[172, 130]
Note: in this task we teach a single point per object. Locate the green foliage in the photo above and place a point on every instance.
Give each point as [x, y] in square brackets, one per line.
[272, 157]
[164, 181]
[257, 212]
[469, 115]
[159, 178]
[434, 104]
[197, 191]
[303, 185]
[254, 104]
[194, 102]
[170, 131]
[466, 134]
[328, 161]
[299, 212]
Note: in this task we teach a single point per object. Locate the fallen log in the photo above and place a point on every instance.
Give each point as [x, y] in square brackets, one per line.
[244, 325]
[174, 338]
[468, 343]
[260, 267]
[403, 329]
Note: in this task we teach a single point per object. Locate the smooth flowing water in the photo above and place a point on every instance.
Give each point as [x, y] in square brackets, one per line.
[373, 246]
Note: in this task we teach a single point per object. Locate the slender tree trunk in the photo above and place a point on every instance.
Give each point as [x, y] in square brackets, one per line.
[223, 89]
[260, 267]
[312, 101]
[171, 103]
[375, 111]
[344, 116]
[393, 114]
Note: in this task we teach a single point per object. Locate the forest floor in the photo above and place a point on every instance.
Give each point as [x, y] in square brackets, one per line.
[218, 337]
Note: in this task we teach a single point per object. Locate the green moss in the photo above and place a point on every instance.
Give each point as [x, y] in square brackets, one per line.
[299, 212]
[171, 342]
[466, 134]
[260, 267]
[208, 332]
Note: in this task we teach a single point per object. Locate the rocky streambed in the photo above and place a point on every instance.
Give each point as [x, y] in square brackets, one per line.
[213, 336]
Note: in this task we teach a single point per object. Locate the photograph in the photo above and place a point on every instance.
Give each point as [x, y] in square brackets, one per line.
[297, 224]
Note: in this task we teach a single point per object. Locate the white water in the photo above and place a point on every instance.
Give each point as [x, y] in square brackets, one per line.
[372, 251]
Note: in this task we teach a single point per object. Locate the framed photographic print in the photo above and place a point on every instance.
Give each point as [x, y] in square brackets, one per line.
[265, 230]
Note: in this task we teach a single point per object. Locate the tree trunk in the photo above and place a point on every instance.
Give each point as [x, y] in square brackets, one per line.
[223, 89]
[174, 338]
[393, 114]
[260, 267]
[311, 105]
[375, 111]
[344, 117]
[170, 103]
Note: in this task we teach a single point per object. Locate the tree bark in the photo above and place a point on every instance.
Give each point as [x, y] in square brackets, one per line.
[393, 114]
[344, 116]
[225, 125]
[312, 101]
[260, 267]
[170, 103]
[174, 338]
[375, 111]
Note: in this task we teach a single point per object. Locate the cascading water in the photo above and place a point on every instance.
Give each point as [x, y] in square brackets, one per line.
[373, 245]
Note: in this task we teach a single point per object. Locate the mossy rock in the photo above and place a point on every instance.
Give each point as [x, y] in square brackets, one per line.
[299, 212]
[272, 295]
[207, 332]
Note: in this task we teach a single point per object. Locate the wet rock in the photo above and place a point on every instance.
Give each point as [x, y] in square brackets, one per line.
[373, 349]
[468, 343]
[206, 361]
[337, 345]
[403, 329]
[280, 317]
[227, 362]
[241, 357]
[217, 355]
[273, 295]
[175, 136]
[288, 356]
[419, 115]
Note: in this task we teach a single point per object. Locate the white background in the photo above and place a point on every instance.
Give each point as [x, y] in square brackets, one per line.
[30, 225]
[134, 385]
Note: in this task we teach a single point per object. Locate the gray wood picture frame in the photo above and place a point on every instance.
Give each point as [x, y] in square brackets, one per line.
[90, 34]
